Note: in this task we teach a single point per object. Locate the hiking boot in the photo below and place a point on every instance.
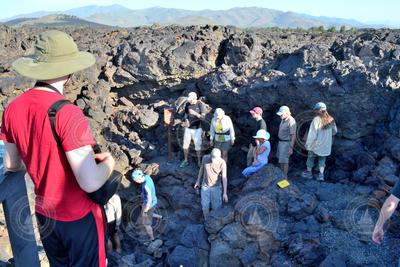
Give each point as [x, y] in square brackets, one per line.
[154, 245]
[320, 177]
[157, 216]
[184, 164]
[307, 175]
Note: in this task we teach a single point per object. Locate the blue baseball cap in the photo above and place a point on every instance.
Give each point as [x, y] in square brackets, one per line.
[320, 106]
[137, 174]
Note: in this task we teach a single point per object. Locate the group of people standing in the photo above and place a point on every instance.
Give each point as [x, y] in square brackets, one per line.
[64, 167]
[212, 177]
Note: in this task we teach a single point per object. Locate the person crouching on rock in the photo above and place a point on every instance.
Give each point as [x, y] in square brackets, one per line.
[149, 200]
[113, 210]
[222, 134]
[319, 140]
[261, 155]
[256, 113]
[212, 171]
[194, 113]
[287, 138]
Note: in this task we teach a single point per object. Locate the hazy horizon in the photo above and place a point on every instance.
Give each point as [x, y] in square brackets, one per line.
[368, 13]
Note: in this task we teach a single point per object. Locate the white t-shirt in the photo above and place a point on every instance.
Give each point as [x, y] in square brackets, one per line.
[114, 209]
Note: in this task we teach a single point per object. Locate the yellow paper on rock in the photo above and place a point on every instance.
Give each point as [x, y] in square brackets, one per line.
[283, 183]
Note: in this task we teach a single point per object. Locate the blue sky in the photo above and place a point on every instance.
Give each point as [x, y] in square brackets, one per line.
[364, 11]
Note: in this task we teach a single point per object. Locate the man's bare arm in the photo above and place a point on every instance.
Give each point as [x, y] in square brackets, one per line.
[12, 159]
[90, 175]
[387, 210]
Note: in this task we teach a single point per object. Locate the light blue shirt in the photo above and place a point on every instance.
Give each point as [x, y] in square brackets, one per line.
[263, 158]
[149, 184]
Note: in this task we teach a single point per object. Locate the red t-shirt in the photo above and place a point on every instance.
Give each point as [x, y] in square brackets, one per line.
[27, 125]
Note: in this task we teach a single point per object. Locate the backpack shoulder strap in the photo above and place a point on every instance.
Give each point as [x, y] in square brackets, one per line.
[52, 112]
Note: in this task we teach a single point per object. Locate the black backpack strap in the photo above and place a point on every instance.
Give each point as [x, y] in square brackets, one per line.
[48, 86]
[52, 112]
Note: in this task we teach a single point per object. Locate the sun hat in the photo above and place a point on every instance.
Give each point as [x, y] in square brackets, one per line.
[137, 174]
[262, 134]
[192, 96]
[257, 110]
[320, 106]
[282, 110]
[215, 155]
[56, 55]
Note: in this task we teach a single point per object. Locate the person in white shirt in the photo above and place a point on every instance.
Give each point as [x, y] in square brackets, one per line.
[114, 214]
[319, 140]
[222, 133]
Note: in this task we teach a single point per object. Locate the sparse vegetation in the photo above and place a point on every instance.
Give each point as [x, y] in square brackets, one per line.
[332, 29]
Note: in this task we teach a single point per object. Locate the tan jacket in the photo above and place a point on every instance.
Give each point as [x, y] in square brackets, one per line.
[320, 140]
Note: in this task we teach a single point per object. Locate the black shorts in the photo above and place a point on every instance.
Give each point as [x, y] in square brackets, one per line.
[111, 228]
[79, 243]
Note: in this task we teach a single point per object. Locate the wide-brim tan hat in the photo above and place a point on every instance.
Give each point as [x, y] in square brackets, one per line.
[56, 55]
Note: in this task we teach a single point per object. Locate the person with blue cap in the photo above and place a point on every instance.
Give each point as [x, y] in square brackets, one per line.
[149, 199]
[319, 140]
[262, 153]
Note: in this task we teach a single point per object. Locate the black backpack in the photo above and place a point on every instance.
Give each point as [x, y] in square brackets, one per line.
[110, 187]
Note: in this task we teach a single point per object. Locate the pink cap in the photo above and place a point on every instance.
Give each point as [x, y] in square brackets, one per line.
[257, 110]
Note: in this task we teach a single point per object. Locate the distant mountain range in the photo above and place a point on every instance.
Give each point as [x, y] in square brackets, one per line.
[56, 20]
[117, 15]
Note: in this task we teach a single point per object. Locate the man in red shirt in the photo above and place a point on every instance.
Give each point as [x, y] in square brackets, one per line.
[71, 225]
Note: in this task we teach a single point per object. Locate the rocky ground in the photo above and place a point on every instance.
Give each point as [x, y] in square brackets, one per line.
[141, 71]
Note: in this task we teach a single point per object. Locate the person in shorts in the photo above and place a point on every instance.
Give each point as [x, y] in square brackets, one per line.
[222, 133]
[71, 225]
[149, 200]
[213, 181]
[194, 114]
[287, 138]
[113, 210]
